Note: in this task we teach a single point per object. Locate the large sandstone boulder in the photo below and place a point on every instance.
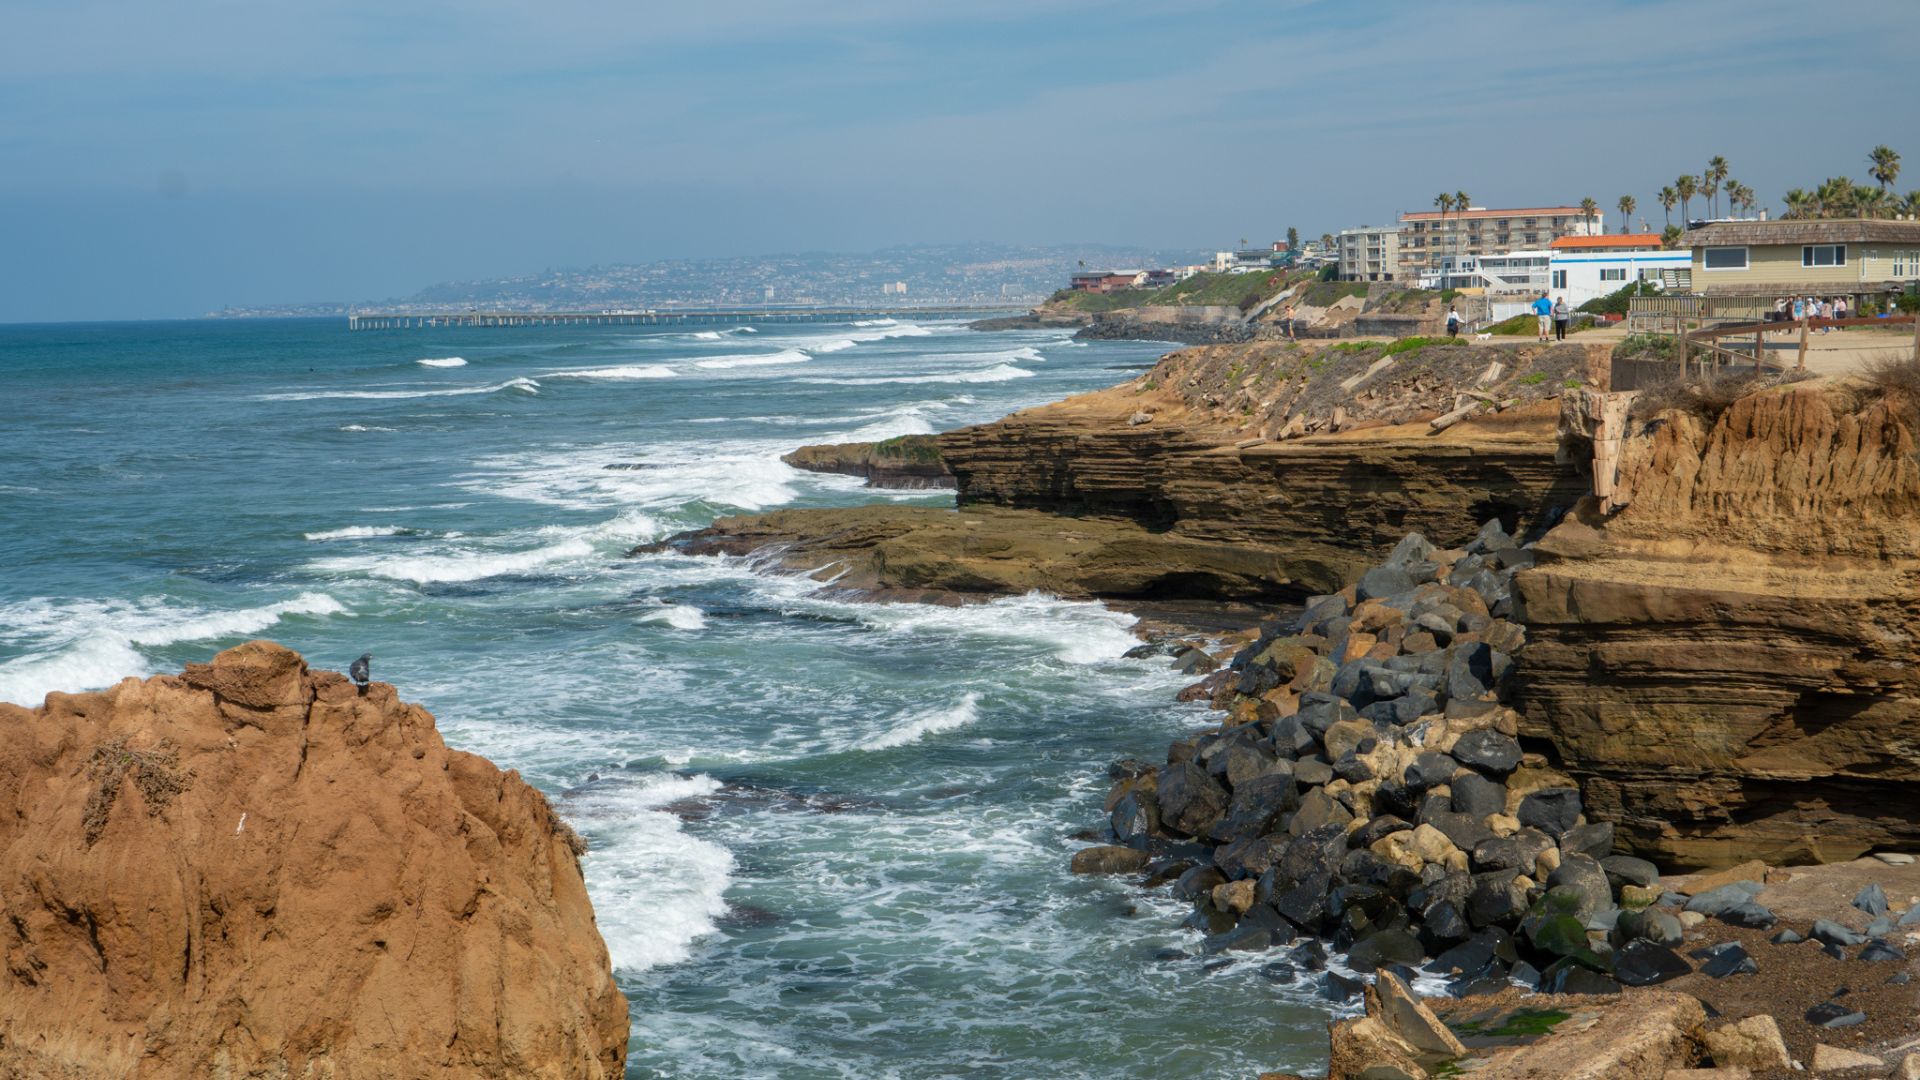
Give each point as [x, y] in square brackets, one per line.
[255, 870]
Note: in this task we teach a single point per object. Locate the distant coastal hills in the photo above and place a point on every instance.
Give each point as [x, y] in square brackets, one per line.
[905, 276]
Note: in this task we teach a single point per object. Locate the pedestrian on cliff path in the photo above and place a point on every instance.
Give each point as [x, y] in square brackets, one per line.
[1286, 320]
[1453, 322]
[1562, 315]
[1543, 309]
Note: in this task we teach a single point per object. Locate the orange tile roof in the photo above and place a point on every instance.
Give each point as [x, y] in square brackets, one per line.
[1617, 240]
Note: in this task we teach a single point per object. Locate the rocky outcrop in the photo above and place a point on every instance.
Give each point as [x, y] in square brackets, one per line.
[252, 869]
[1259, 472]
[1727, 663]
[905, 462]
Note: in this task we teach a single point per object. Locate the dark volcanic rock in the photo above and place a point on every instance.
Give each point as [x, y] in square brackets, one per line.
[1551, 810]
[1642, 963]
[1832, 933]
[1581, 875]
[1594, 838]
[1496, 898]
[1727, 958]
[1487, 750]
[1833, 1015]
[1872, 900]
[1190, 801]
[1388, 946]
[1478, 797]
[1517, 852]
[1628, 870]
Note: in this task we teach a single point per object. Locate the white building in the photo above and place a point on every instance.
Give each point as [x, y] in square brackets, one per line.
[1586, 268]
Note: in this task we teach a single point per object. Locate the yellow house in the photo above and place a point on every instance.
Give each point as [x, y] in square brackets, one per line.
[1851, 256]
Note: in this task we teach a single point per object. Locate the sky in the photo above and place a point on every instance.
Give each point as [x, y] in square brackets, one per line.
[164, 160]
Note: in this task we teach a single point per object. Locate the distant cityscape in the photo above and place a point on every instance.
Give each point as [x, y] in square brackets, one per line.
[921, 275]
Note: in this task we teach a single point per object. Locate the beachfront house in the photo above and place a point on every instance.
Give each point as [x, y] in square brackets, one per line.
[1791, 257]
[1583, 268]
[1104, 281]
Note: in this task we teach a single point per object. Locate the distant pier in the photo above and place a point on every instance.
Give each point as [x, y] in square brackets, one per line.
[419, 320]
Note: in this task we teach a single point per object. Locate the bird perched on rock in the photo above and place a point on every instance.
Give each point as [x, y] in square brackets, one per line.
[360, 671]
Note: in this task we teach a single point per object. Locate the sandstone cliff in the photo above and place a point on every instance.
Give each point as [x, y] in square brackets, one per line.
[1727, 663]
[254, 870]
[1271, 472]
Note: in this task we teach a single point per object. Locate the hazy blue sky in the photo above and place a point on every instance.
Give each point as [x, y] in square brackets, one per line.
[161, 159]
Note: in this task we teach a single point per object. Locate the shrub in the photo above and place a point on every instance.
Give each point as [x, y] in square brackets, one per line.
[1616, 302]
[1895, 380]
[1706, 398]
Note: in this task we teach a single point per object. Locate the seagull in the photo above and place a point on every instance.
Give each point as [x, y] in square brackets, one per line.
[358, 671]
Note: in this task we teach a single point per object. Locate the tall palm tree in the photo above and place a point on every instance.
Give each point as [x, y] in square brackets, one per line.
[1667, 198]
[1326, 241]
[1911, 207]
[1685, 187]
[1799, 203]
[1626, 204]
[1886, 166]
[1461, 204]
[1713, 176]
[1444, 201]
[1836, 197]
[1588, 209]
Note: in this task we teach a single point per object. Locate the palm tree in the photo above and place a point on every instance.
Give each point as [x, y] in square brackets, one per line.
[1444, 201]
[1626, 204]
[1326, 241]
[1912, 204]
[1589, 208]
[1799, 203]
[1685, 187]
[1461, 204]
[1836, 197]
[1716, 176]
[1868, 200]
[1886, 166]
[1667, 198]
[1670, 237]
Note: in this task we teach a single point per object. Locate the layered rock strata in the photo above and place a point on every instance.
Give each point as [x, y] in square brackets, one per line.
[1167, 486]
[1727, 663]
[255, 869]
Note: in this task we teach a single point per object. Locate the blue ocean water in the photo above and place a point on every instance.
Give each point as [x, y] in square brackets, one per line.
[828, 839]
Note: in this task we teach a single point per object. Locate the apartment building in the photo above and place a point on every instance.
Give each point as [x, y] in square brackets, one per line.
[1428, 236]
[1369, 253]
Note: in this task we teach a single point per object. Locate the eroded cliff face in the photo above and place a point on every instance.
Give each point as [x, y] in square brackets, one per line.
[1727, 663]
[1267, 472]
[255, 870]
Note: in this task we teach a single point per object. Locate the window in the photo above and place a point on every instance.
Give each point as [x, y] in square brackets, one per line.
[1724, 258]
[1559, 279]
[1613, 273]
[1823, 255]
[1906, 264]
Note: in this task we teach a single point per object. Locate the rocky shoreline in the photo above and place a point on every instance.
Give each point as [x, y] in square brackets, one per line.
[1480, 759]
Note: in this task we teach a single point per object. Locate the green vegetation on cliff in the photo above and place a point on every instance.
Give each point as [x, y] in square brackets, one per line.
[1209, 290]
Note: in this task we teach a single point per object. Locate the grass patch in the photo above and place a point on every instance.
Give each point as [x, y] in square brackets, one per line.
[1416, 343]
[1517, 1025]
[1534, 379]
[1327, 293]
[917, 448]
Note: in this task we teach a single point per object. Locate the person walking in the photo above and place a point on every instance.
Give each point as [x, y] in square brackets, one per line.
[1826, 312]
[1543, 311]
[1453, 322]
[1562, 315]
[1799, 309]
[1286, 320]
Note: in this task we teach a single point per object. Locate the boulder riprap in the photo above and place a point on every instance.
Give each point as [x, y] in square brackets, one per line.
[253, 869]
[1368, 787]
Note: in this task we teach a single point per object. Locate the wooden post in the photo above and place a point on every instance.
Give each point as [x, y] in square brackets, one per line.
[1802, 366]
[1916, 336]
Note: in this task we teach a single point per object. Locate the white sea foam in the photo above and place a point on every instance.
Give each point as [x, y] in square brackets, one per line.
[784, 356]
[1076, 632]
[364, 427]
[678, 616]
[359, 532]
[458, 566]
[656, 890]
[996, 373]
[521, 385]
[82, 645]
[628, 371]
[746, 475]
[443, 361]
[917, 726]
[706, 335]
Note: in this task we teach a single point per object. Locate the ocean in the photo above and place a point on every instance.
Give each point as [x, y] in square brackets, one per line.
[828, 839]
